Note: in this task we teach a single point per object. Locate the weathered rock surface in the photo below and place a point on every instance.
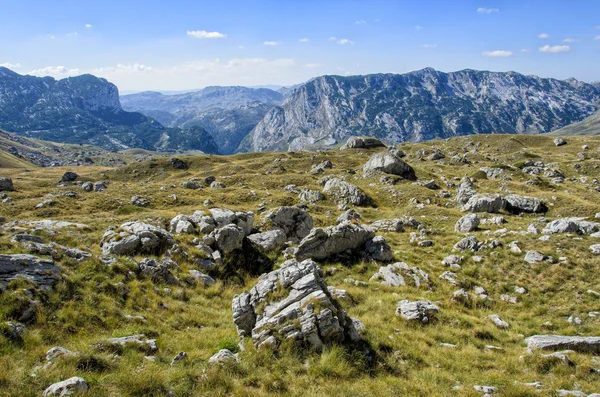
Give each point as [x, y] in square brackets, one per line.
[223, 357]
[292, 303]
[345, 193]
[418, 311]
[580, 344]
[467, 223]
[571, 225]
[136, 238]
[323, 243]
[311, 196]
[388, 163]
[484, 203]
[362, 142]
[397, 274]
[269, 241]
[6, 185]
[517, 204]
[294, 222]
[465, 191]
[71, 386]
[41, 271]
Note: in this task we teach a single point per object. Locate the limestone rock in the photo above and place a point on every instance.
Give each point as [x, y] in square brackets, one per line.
[71, 386]
[323, 243]
[136, 238]
[41, 271]
[222, 357]
[6, 185]
[571, 225]
[419, 311]
[345, 193]
[465, 191]
[558, 141]
[388, 163]
[295, 222]
[397, 274]
[517, 204]
[292, 303]
[580, 344]
[69, 177]
[483, 203]
[362, 142]
[269, 241]
[467, 223]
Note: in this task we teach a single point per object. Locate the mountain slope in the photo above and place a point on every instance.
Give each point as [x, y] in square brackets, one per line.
[227, 113]
[82, 109]
[204, 99]
[420, 105]
[589, 126]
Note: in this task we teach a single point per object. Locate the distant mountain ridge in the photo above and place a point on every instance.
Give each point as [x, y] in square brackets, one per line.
[84, 109]
[227, 113]
[420, 105]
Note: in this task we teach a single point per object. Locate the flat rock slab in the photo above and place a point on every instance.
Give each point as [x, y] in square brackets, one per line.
[580, 344]
[41, 271]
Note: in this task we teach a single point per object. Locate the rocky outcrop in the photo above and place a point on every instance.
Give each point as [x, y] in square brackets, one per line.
[362, 142]
[397, 274]
[41, 271]
[423, 312]
[323, 243]
[136, 238]
[484, 203]
[517, 204]
[387, 162]
[345, 193]
[72, 386]
[467, 223]
[269, 241]
[464, 191]
[580, 344]
[6, 185]
[571, 225]
[294, 222]
[292, 303]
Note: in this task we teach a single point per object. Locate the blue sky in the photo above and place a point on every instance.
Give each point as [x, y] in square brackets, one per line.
[184, 44]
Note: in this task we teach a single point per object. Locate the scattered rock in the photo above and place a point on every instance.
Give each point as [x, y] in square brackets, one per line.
[269, 241]
[74, 385]
[41, 271]
[323, 243]
[223, 357]
[388, 163]
[69, 177]
[294, 222]
[6, 185]
[498, 322]
[292, 303]
[534, 257]
[362, 142]
[311, 196]
[421, 311]
[558, 141]
[136, 237]
[517, 204]
[178, 164]
[181, 356]
[467, 223]
[348, 216]
[395, 275]
[345, 193]
[139, 201]
[483, 203]
[580, 344]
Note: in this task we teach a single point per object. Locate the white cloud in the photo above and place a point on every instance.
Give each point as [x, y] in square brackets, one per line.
[597, 38]
[525, 50]
[570, 40]
[497, 54]
[429, 45]
[51, 36]
[341, 41]
[10, 65]
[271, 43]
[543, 36]
[303, 40]
[89, 26]
[418, 27]
[312, 65]
[556, 48]
[484, 10]
[124, 68]
[203, 34]
[72, 34]
[361, 22]
[55, 71]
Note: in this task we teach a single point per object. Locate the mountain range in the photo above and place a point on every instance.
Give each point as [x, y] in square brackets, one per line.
[416, 106]
[85, 109]
[422, 105]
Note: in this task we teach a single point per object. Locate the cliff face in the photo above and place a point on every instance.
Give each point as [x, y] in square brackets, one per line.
[421, 105]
